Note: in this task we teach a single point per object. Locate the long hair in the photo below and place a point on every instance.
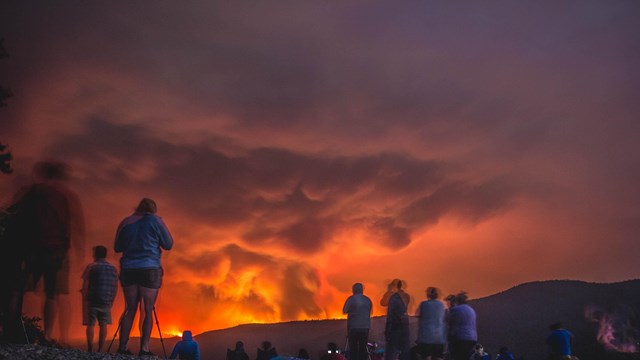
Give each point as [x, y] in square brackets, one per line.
[147, 205]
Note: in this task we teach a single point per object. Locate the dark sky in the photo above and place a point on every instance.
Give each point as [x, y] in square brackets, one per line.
[295, 148]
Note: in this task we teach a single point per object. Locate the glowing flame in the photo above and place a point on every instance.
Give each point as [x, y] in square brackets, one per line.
[614, 332]
[174, 332]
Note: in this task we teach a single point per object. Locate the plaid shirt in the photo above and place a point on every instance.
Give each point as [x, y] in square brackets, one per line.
[102, 279]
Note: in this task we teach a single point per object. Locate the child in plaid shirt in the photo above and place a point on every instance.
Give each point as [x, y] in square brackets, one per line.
[99, 289]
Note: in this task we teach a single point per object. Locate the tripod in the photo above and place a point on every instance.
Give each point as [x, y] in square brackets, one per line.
[160, 332]
[155, 314]
[117, 329]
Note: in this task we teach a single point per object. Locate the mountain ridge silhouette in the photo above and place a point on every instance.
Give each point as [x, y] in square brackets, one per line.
[518, 317]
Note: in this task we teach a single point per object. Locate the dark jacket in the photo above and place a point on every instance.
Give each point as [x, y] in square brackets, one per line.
[237, 354]
[266, 354]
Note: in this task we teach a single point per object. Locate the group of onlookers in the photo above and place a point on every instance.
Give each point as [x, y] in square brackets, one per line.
[47, 221]
[140, 238]
[438, 326]
[43, 224]
[443, 330]
[265, 352]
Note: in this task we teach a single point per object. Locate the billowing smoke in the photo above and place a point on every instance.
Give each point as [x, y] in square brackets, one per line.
[615, 328]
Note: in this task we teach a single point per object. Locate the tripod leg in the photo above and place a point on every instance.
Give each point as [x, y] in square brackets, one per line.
[24, 329]
[159, 332]
[116, 333]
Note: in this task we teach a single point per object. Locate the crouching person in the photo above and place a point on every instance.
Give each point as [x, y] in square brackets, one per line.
[186, 349]
[99, 289]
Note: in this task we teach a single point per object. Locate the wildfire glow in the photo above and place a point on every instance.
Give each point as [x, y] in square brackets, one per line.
[174, 332]
[288, 168]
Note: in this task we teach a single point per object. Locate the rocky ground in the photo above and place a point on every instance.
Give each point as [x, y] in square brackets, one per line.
[29, 352]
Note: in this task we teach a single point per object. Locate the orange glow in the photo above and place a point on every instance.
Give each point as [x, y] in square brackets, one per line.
[287, 168]
[174, 332]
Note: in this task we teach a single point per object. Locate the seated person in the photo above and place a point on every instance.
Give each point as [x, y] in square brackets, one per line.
[479, 353]
[238, 353]
[266, 352]
[333, 353]
[186, 349]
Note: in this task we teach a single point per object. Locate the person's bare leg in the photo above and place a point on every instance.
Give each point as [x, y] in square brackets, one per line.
[89, 338]
[149, 297]
[102, 336]
[13, 317]
[141, 318]
[50, 312]
[131, 298]
[64, 317]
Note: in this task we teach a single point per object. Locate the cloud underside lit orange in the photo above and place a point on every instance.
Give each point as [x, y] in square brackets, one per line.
[294, 151]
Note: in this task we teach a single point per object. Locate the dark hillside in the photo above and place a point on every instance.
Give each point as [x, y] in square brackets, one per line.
[518, 318]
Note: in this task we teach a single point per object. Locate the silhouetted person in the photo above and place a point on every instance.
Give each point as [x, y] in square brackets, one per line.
[303, 354]
[333, 353]
[238, 352]
[479, 353]
[56, 225]
[186, 349]
[431, 327]
[358, 307]
[560, 341]
[505, 354]
[450, 300]
[395, 286]
[99, 289]
[462, 328]
[140, 238]
[397, 324]
[266, 352]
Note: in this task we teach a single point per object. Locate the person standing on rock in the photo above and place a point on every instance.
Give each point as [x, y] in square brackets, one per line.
[431, 327]
[141, 238]
[99, 289]
[55, 226]
[462, 328]
[397, 325]
[559, 341]
[358, 307]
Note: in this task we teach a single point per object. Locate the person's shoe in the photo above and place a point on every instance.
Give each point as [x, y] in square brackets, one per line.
[124, 352]
[145, 353]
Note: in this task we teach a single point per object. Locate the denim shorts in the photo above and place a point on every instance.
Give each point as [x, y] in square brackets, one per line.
[149, 278]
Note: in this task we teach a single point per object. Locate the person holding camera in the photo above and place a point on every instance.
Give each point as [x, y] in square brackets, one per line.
[141, 238]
